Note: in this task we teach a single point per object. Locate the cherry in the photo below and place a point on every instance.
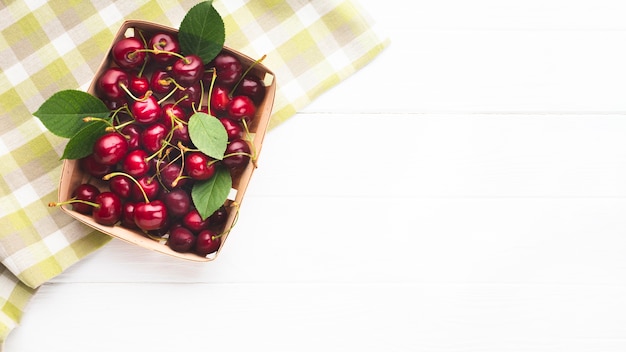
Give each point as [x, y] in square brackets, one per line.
[132, 133]
[171, 176]
[150, 215]
[237, 154]
[177, 201]
[135, 163]
[199, 166]
[139, 85]
[146, 110]
[233, 128]
[89, 165]
[153, 136]
[85, 192]
[194, 222]
[171, 112]
[253, 87]
[161, 82]
[110, 148]
[150, 187]
[181, 133]
[108, 210]
[241, 107]
[164, 42]
[190, 96]
[163, 230]
[121, 185]
[126, 53]
[115, 104]
[207, 242]
[181, 239]
[219, 217]
[128, 215]
[110, 83]
[220, 97]
[188, 70]
[228, 69]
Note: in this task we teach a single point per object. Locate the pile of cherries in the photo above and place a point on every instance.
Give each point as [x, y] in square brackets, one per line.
[146, 156]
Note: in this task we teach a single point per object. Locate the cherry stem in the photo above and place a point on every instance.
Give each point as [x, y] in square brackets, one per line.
[252, 145]
[92, 119]
[230, 94]
[168, 95]
[158, 51]
[118, 173]
[213, 77]
[235, 205]
[237, 153]
[125, 88]
[74, 200]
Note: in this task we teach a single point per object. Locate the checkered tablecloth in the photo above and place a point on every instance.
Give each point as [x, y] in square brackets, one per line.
[50, 46]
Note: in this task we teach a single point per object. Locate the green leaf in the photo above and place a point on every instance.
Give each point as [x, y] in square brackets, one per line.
[81, 144]
[202, 32]
[210, 195]
[208, 134]
[63, 112]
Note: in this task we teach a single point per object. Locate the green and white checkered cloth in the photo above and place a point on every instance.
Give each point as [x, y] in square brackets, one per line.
[48, 46]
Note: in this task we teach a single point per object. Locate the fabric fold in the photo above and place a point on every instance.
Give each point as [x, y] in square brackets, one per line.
[311, 46]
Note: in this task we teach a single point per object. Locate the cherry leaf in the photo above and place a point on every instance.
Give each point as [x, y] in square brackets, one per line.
[202, 32]
[210, 195]
[208, 134]
[63, 112]
[81, 144]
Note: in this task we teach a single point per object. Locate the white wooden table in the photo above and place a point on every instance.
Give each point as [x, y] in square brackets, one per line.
[466, 191]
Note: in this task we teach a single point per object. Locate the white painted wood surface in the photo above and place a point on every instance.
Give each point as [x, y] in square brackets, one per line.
[466, 191]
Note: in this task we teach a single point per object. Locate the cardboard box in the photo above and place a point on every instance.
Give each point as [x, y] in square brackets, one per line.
[72, 175]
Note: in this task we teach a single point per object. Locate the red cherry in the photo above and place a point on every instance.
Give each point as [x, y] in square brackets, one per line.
[234, 129]
[181, 133]
[218, 218]
[170, 176]
[187, 71]
[253, 87]
[150, 186]
[164, 42]
[110, 148]
[207, 242]
[128, 215]
[177, 201]
[109, 209]
[89, 165]
[181, 239]
[135, 163]
[241, 107]
[194, 222]
[151, 215]
[190, 96]
[237, 154]
[171, 112]
[146, 111]
[220, 97]
[139, 86]
[110, 81]
[85, 192]
[228, 69]
[132, 133]
[161, 82]
[121, 185]
[153, 136]
[199, 166]
[126, 53]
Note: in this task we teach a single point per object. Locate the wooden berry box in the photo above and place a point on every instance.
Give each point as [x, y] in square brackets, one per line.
[72, 175]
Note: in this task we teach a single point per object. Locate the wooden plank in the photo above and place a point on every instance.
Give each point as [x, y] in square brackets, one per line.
[329, 317]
